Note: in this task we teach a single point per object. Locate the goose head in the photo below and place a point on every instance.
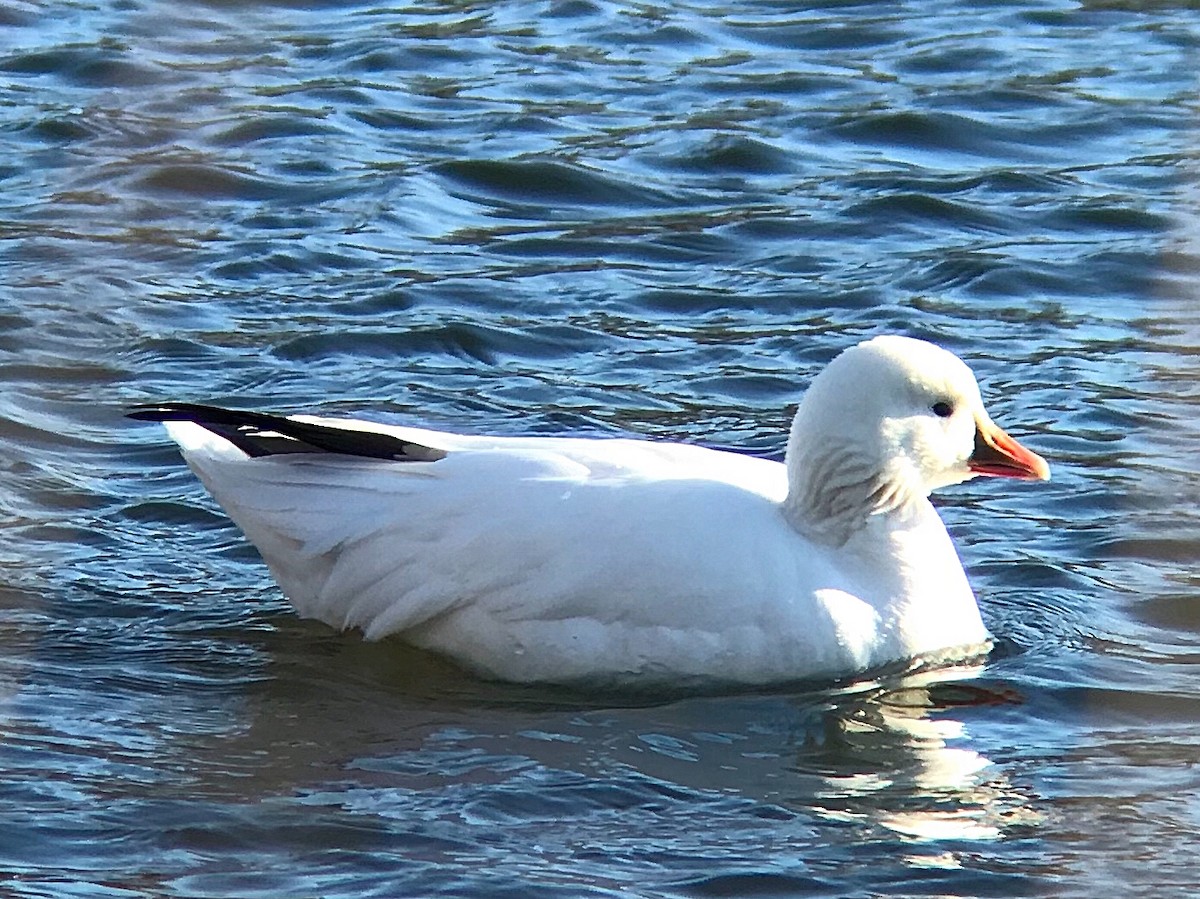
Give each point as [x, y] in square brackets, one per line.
[887, 422]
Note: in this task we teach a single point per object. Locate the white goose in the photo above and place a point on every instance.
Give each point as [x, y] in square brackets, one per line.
[609, 561]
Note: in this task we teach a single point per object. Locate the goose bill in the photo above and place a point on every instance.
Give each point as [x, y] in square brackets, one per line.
[998, 455]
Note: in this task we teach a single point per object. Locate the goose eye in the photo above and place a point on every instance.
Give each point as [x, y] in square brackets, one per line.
[942, 409]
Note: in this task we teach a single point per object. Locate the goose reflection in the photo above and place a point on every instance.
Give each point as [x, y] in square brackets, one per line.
[335, 722]
[896, 756]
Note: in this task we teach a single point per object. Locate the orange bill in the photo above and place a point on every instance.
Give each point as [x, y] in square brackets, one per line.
[998, 455]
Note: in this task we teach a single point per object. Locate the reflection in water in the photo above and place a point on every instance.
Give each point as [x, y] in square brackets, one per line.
[902, 762]
[390, 733]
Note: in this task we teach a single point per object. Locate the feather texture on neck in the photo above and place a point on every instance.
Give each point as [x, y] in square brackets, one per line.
[833, 490]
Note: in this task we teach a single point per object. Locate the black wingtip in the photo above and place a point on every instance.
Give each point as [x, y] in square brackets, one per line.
[261, 434]
[167, 411]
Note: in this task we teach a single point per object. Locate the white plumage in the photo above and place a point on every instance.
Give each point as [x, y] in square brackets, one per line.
[608, 561]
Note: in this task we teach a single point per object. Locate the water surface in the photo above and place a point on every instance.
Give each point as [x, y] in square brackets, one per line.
[655, 220]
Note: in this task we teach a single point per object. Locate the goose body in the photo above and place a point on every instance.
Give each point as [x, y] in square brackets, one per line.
[611, 561]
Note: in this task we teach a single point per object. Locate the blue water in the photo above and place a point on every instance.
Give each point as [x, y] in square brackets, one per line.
[580, 216]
